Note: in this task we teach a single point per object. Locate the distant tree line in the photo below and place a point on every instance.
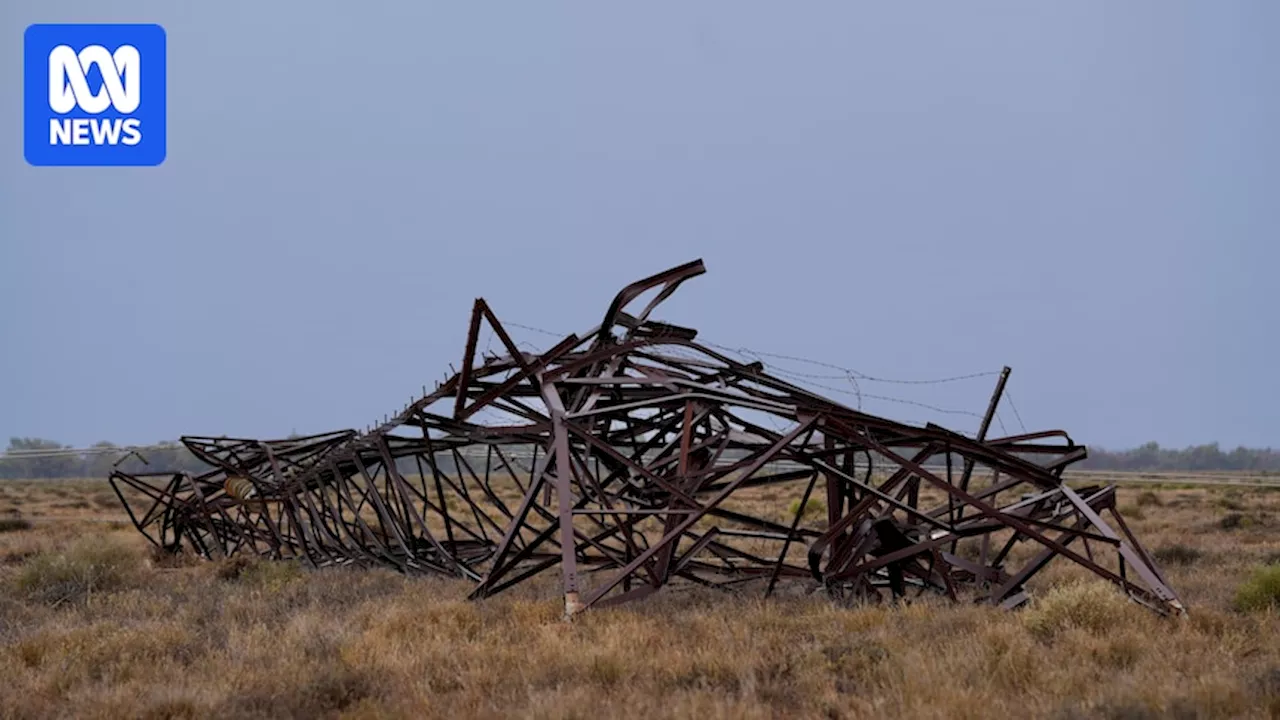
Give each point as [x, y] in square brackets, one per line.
[1198, 458]
[38, 458]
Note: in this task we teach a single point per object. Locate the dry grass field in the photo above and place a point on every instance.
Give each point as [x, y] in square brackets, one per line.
[92, 626]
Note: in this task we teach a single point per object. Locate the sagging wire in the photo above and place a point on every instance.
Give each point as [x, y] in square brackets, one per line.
[523, 344]
[508, 323]
[848, 371]
[1014, 407]
[886, 398]
[850, 375]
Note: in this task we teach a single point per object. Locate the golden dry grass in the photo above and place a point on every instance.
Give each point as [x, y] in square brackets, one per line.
[90, 627]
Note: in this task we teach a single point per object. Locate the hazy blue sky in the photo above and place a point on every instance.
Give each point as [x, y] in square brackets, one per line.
[1086, 191]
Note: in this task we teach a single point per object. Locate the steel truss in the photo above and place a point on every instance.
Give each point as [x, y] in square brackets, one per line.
[632, 457]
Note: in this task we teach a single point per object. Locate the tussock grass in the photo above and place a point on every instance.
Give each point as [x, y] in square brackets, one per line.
[90, 565]
[1092, 606]
[1148, 498]
[1135, 512]
[166, 636]
[105, 499]
[1230, 503]
[262, 574]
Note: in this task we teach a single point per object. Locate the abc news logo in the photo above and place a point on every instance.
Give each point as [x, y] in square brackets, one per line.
[69, 89]
[94, 94]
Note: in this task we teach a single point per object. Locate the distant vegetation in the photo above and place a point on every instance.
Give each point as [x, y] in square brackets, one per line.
[173, 456]
[51, 463]
[1151, 457]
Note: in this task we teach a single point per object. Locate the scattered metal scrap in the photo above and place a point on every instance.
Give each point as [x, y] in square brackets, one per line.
[632, 457]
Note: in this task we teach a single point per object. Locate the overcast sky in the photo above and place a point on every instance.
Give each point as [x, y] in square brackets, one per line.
[1088, 192]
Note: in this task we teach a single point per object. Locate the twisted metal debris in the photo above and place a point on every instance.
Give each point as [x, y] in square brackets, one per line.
[633, 457]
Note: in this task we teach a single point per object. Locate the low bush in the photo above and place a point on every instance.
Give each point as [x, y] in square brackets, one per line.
[162, 558]
[13, 524]
[233, 568]
[1231, 521]
[1261, 591]
[1177, 554]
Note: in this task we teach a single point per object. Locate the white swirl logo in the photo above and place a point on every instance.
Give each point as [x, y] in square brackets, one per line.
[68, 86]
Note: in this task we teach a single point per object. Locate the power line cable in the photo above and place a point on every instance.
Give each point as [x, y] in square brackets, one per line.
[1015, 410]
[849, 371]
[844, 371]
[508, 323]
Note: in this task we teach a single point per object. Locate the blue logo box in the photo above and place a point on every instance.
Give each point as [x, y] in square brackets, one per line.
[94, 94]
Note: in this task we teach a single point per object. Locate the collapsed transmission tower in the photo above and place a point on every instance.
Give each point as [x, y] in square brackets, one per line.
[633, 457]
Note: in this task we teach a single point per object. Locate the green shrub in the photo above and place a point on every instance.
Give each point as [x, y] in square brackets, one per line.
[1261, 591]
[270, 575]
[88, 566]
[273, 575]
[814, 505]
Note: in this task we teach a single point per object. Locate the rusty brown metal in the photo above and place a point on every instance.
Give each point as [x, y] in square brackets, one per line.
[632, 458]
